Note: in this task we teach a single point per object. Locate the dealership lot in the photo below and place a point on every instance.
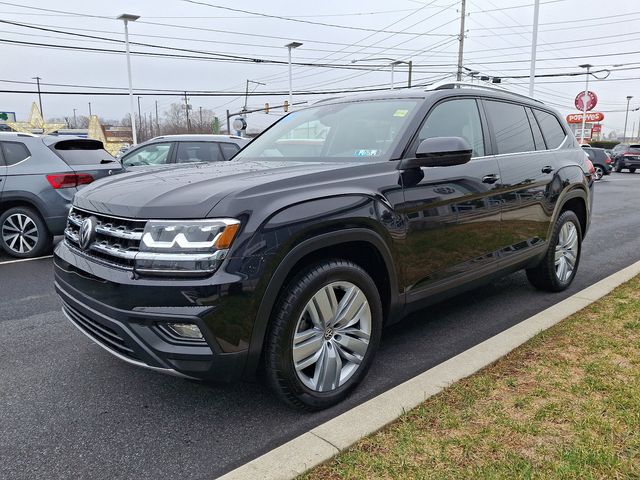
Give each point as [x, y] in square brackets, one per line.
[71, 410]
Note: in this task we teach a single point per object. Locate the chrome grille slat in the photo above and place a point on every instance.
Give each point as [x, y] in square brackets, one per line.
[117, 239]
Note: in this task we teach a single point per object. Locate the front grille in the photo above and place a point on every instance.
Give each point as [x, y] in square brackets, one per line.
[100, 332]
[117, 240]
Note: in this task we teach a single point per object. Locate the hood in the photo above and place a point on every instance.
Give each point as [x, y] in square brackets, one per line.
[189, 191]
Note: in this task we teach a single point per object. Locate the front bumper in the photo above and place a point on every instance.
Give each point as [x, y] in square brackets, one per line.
[125, 316]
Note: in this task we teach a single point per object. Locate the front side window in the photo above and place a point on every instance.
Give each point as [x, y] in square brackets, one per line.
[345, 131]
[456, 118]
[155, 154]
[14, 152]
[551, 129]
[510, 126]
[189, 152]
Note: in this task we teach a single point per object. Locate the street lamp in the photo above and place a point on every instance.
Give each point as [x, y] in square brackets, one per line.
[126, 18]
[626, 117]
[75, 122]
[393, 64]
[585, 98]
[291, 46]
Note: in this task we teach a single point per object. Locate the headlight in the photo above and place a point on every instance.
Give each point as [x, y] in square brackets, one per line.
[185, 247]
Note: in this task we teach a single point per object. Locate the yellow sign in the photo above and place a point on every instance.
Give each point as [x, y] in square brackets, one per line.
[36, 122]
[96, 132]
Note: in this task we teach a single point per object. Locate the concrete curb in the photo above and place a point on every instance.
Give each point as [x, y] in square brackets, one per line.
[325, 441]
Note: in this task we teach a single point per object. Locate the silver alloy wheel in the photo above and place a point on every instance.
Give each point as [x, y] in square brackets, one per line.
[598, 174]
[566, 251]
[20, 233]
[332, 336]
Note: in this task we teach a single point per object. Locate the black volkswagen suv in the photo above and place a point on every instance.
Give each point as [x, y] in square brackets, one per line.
[339, 219]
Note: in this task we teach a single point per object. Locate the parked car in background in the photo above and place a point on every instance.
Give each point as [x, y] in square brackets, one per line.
[173, 149]
[39, 176]
[290, 261]
[626, 156]
[602, 163]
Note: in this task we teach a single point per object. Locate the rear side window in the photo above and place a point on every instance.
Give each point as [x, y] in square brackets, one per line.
[510, 127]
[229, 150]
[82, 152]
[198, 152]
[14, 152]
[551, 129]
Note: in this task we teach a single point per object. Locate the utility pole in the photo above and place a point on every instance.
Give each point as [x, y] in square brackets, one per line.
[200, 117]
[139, 115]
[157, 123]
[626, 117]
[410, 72]
[228, 124]
[75, 121]
[461, 40]
[89, 108]
[37, 79]
[534, 47]
[585, 98]
[186, 108]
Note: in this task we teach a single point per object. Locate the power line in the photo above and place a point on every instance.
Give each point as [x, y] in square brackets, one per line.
[311, 22]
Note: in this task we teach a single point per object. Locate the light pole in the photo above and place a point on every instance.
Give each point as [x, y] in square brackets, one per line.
[37, 79]
[393, 64]
[290, 46]
[89, 108]
[585, 97]
[75, 122]
[534, 47]
[626, 117]
[139, 114]
[126, 18]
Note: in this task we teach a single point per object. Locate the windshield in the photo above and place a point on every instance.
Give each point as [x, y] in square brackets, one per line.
[343, 131]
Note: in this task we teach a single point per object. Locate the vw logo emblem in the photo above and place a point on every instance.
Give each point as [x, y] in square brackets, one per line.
[87, 232]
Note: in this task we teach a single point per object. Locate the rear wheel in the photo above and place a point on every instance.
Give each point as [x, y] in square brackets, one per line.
[632, 170]
[558, 268]
[618, 168]
[324, 334]
[23, 233]
[599, 172]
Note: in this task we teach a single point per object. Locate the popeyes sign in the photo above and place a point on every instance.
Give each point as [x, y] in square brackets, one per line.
[592, 117]
[590, 97]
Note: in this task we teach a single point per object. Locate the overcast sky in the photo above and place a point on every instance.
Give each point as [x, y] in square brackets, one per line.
[498, 40]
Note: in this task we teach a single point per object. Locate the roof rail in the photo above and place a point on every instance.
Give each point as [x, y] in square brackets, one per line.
[446, 84]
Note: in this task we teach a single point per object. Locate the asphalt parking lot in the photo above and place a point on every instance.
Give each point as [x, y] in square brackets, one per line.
[70, 410]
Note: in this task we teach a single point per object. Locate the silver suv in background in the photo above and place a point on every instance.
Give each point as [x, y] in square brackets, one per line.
[173, 149]
[39, 175]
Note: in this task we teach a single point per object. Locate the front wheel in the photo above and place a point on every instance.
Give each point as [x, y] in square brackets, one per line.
[324, 334]
[632, 170]
[558, 268]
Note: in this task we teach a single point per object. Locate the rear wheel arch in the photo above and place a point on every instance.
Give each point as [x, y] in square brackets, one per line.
[355, 244]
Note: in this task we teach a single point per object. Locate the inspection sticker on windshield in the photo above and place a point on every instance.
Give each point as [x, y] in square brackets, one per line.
[365, 153]
[400, 113]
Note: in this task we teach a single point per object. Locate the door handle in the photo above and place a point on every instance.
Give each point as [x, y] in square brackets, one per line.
[547, 169]
[490, 179]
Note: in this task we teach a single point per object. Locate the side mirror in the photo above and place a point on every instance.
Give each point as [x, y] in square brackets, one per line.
[439, 152]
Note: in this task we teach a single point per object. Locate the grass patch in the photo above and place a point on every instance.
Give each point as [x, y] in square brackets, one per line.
[564, 405]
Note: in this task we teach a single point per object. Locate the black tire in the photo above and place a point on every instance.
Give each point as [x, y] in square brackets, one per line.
[289, 312]
[632, 170]
[544, 276]
[618, 169]
[34, 243]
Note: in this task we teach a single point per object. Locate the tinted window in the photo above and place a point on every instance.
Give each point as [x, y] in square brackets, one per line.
[551, 129]
[14, 152]
[455, 118]
[198, 152]
[155, 154]
[83, 152]
[537, 134]
[511, 127]
[229, 150]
